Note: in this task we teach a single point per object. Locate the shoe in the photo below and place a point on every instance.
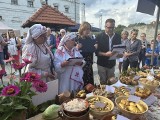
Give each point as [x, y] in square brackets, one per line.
[16, 73]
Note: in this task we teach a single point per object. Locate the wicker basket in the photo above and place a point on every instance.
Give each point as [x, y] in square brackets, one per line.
[100, 114]
[148, 86]
[128, 113]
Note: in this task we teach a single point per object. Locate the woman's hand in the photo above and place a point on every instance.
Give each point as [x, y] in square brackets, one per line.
[96, 45]
[126, 54]
[65, 63]
[52, 76]
[79, 46]
[79, 63]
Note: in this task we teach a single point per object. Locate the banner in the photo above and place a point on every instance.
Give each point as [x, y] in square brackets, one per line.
[146, 6]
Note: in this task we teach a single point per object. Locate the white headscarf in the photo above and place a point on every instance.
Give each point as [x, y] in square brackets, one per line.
[34, 32]
[67, 37]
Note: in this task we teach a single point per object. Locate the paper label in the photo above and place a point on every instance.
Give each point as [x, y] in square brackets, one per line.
[140, 86]
[110, 89]
[152, 71]
[133, 98]
[100, 105]
[150, 77]
[120, 117]
[118, 84]
[150, 100]
[132, 91]
[89, 94]
[136, 77]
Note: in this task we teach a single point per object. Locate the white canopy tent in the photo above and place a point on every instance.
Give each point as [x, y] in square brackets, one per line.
[4, 29]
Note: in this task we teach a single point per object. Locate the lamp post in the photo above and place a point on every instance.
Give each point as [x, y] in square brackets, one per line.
[46, 2]
[75, 9]
[100, 21]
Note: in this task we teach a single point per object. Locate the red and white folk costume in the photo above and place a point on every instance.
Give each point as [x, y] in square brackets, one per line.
[70, 77]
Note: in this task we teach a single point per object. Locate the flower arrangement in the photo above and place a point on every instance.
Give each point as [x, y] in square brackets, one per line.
[16, 97]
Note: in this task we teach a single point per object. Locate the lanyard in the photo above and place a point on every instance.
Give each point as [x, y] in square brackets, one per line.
[110, 41]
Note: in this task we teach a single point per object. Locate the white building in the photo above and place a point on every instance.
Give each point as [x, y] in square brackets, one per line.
[14, 12]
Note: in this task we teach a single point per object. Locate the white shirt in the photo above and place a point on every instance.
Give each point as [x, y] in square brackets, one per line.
[110, 41]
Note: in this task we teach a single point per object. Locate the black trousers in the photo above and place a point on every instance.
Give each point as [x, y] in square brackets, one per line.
[126, 63]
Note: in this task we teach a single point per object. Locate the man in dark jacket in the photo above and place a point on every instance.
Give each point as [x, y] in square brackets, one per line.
[105, 42]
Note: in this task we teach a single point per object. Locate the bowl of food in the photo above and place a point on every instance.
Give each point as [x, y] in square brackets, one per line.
[142, 92]
[109, 117]
[121, 91]
[81, 94]
[75, 107]
[131, 109]
[101, 91]
[151, 85]
[100, 106]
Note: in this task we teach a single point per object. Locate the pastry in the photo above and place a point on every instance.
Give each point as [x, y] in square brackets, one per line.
[140, 107]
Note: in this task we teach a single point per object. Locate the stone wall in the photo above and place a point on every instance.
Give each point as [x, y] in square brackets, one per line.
[148, 29]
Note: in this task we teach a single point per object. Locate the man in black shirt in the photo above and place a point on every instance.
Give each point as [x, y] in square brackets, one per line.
[105, 42]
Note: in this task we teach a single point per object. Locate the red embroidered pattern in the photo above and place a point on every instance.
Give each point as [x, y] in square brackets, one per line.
[59, 52]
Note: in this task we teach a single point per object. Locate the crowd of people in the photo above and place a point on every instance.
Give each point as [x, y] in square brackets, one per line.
[50, 54]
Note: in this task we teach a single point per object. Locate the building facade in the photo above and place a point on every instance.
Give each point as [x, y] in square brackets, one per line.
[15, 12]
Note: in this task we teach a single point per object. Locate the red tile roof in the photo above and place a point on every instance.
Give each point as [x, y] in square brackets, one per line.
[50, 16]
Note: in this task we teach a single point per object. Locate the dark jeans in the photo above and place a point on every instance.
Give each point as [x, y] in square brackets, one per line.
[126, 63]
[5, 52]
[142, 58]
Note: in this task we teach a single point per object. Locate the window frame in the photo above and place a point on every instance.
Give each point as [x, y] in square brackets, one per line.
[66, 8]
[30, 5]
[14, 2]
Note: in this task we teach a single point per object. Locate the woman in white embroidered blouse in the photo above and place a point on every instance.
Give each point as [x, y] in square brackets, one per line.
[37, 51]
[70, 76]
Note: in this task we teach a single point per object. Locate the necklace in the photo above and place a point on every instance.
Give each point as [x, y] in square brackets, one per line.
[70, 52]
[44, 52]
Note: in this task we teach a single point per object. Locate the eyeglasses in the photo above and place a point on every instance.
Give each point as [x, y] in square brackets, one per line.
[142, 36]
[110, 27]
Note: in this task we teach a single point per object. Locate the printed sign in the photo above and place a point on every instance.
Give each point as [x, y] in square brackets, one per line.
[110, 89]
[150, 100]
[133, 98]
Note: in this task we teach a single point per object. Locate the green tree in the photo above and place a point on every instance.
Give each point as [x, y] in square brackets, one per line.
[119, 29]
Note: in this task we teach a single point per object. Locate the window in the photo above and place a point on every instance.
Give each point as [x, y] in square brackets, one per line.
[30, 3]
[14, 2]
[55, 6]
[66, 8]
[0, 18]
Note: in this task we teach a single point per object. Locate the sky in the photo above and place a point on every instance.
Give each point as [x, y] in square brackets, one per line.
[123, 11]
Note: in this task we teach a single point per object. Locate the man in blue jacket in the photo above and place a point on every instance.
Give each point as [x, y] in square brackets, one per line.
[51, 40]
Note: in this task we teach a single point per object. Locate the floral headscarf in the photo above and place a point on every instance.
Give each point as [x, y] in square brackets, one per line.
[34, 32]
[67, 37]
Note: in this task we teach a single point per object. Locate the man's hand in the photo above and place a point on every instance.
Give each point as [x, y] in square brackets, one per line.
[109, 54]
